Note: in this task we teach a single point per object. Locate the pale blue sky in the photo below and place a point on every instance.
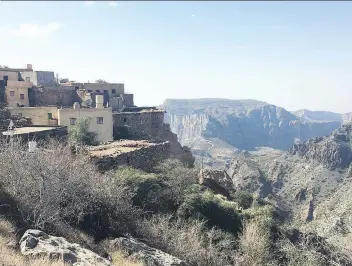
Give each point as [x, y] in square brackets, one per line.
[291, 54]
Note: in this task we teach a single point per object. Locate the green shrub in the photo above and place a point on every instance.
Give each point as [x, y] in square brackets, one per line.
[213, 209]
[243, 198]
[79, 133]
[178, 177]
[151, 192]
[162, 191]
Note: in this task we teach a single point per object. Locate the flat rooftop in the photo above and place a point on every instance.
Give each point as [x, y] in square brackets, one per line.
[27, 130]
[117, 147]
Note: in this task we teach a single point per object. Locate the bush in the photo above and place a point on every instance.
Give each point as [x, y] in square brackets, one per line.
[188, 240]
[178, 177]
[243, 198]
[162, 191]
[54, 189]
[213, 209]
[79, 133]
[151, 193]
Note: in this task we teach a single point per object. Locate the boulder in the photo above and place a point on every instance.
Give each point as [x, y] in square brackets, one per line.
[38, 243]
[142, 252]
[217, 180]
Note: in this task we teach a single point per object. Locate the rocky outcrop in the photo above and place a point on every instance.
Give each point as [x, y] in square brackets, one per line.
[144, 157]
[38, 243]
[142, 252]
[183, 153]
[217, 180]
[333, 151]
[244, 124]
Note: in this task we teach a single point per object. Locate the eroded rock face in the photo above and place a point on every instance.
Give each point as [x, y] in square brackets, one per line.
[149, 256]
[333, 151]
[217, 180]
[244, 124]
[183, 153]
[38, 243]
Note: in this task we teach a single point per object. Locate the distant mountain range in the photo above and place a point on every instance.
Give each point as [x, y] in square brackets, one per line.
[323, 116]
[245, 124]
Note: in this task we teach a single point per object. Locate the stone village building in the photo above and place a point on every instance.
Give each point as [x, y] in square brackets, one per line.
[26, 87]
[37, 97]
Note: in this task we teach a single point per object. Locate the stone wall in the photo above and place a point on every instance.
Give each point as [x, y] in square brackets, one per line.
[128, 99]
[64, 97]
[145, 158]
[139, 125]
[5, 118]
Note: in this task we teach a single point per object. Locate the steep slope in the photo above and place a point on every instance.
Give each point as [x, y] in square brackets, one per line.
[312, 182]
[243, 124]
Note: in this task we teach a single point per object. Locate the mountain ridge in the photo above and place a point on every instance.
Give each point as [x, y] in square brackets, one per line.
[244, 124]
[323, 115]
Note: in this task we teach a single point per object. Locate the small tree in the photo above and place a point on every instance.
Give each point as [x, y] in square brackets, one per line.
[79, 133]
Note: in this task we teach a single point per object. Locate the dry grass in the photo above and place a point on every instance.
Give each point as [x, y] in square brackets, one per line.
[186, 240]
[255, 244]
[119, 259]
[312, 253]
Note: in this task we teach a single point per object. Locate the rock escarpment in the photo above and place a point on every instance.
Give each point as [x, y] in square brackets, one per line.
[244, 124]
[183, 153]
[333, 151]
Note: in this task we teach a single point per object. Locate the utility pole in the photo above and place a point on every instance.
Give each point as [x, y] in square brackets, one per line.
[12, 131]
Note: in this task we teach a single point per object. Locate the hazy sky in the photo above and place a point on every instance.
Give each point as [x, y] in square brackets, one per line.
[292, 54]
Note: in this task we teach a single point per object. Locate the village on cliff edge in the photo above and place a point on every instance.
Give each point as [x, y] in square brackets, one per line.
[37, 105]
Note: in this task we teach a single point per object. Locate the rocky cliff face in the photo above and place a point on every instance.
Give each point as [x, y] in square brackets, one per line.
[333, 151]
[244, 124]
